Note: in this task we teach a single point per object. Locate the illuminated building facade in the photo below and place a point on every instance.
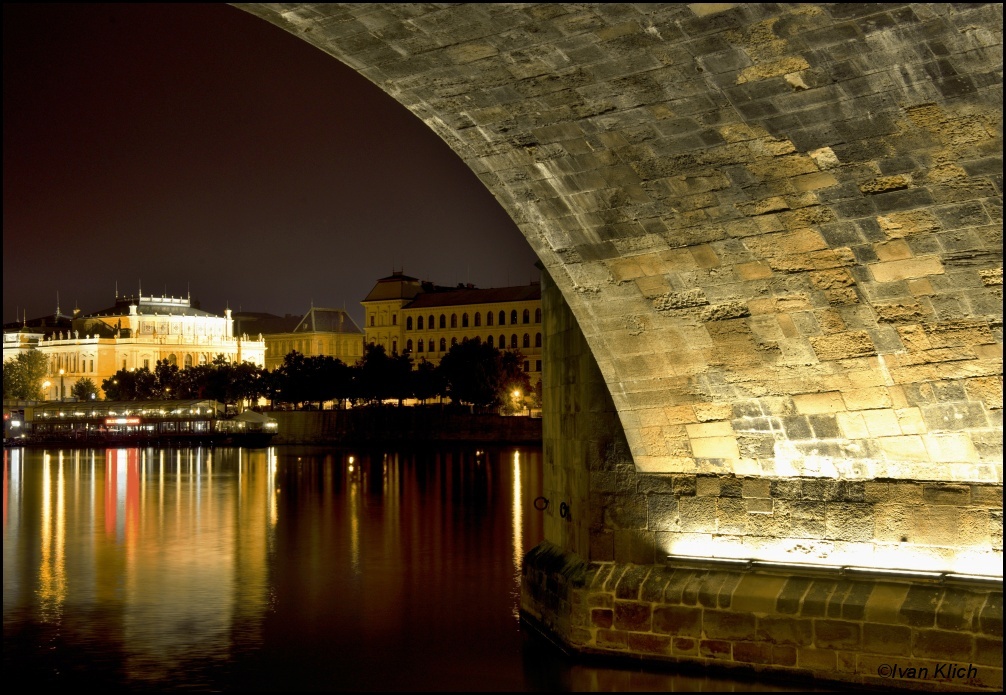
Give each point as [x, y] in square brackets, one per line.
[133, 334]
[423, 320]
[319, 333]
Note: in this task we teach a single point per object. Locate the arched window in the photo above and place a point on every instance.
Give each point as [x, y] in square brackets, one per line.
[431, 323]
[527, 316]
[478, 319]
[527, 340]
[188, 361]
[420, 345]
[502, 343]
[172, 359]
[454, 341]
[430, 344]
[489, 318]
[443, 321]
[489, 341]
[537, 340]
[408, 323]
[502, 317]
[454, 320]
[419, 323]
[513, 317]
[513, 342]
[408, 345]
[443, 345]
[464, 320]
[537, 315]
[202, 359]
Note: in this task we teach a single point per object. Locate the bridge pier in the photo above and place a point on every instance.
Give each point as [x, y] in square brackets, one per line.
[828, 575]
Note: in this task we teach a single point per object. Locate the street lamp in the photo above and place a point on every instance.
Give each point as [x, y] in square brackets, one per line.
[61, 372]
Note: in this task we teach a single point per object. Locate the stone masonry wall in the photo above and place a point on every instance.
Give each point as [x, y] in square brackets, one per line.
[624, 515]
[778, 225]
[869, 631]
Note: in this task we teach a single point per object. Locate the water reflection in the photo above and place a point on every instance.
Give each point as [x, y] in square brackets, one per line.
[278, 569]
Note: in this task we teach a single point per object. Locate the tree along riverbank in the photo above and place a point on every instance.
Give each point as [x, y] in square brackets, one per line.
[411, 425]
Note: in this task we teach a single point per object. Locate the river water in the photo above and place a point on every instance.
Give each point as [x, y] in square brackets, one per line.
[282, 569]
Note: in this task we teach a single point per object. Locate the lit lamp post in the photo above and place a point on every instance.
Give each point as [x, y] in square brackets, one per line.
[61, 395]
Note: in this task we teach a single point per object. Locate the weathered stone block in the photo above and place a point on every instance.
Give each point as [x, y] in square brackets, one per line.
[678, 620]
[836, 634]
[632, 615]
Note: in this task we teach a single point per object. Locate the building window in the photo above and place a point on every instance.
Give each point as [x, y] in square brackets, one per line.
[408, 345]
[489, 341]
[527, 316]
[489, 318]
[537, 340]
[478, 319]
[431, 345]
[371, 320]
[420, 345]
[188, 361]
[419, 323]
[394, 347]
[502, 343]
[527, 366]
[443, 345]
[431, 323]
[513, 317]
[502, 317]
[537, 315]
[172, 359]
[408, 323]
[527, 341]
[537, 365]
[454, 341]
[454, 320]
[394, 319]
[146, 364]
[443, 321]
[513, 341]
[464, 320]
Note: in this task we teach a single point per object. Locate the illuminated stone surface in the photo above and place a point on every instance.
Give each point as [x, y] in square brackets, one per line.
[742, 204]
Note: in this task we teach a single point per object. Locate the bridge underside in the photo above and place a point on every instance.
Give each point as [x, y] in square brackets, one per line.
[773, 241]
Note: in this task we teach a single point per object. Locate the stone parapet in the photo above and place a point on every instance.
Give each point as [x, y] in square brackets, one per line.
[820, 623]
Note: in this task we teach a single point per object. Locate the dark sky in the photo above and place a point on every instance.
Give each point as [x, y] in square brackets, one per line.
[197, 148]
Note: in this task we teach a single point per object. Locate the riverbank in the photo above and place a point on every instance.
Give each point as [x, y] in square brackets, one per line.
[401, 425]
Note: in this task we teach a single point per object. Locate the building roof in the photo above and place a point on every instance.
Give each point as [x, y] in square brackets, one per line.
[264, 323]
[319, 320]
[156, 306]
[398, 285]
[472, 295]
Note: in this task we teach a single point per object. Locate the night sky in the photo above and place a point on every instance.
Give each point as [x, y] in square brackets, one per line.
[195, 148]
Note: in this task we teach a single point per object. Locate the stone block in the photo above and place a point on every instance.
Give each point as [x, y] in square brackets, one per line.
[816, 660]
[882, 422]
[813, 403]
[601, 617]
[611, 639]
[943, 645]
[836, 634]
[919, 606]
[757, 593]
[892, 271]
[632, 616]
[715, 649]
[683, 621]
[753, 652]
[840, 346]
[649, 644]
[791, 631]
[893, 640]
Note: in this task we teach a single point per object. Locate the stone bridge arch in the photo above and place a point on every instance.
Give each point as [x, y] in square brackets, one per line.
[775, 237]
[779, 227]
